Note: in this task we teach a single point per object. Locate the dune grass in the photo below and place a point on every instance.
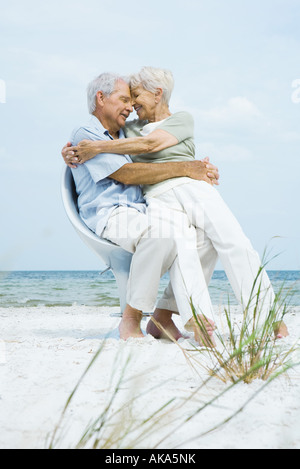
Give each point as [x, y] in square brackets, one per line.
[246, 351]
[249, 350]
[118, 425]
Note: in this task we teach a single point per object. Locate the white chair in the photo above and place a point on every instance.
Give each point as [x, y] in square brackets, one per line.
[116, 259]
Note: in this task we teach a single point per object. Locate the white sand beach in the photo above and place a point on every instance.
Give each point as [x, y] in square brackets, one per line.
[44, 351]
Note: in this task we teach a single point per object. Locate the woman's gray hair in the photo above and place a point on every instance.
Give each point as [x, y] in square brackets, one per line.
[106, 82]
[152, 78]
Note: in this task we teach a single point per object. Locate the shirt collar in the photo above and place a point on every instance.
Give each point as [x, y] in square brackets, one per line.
[95, 121]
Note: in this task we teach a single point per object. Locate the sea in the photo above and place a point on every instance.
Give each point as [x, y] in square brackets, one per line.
[92, 288]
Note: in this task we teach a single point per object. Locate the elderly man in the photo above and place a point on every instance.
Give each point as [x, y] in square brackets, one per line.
[111, 203]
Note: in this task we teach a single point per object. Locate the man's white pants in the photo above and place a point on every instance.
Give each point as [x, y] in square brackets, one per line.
[155, 252]
[160, 243]
[218, 234]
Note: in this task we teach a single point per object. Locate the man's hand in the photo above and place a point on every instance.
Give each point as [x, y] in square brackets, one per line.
[213, 171]
[203, 170]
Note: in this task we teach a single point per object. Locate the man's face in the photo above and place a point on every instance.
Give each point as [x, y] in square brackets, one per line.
[117, 107]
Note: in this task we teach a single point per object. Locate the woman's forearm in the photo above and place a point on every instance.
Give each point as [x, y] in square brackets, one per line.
[156, 141]
[130, 146]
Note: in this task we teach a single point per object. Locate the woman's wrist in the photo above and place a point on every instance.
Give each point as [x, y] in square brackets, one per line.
[88, 149]
[97, 148]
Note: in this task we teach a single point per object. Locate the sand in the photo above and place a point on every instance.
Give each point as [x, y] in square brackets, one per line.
[44, 351]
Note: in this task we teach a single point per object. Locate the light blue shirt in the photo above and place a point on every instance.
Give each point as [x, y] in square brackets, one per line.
[98, 195]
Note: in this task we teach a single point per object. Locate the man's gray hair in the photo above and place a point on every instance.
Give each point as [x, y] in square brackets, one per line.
[152, 78]
[106, 82]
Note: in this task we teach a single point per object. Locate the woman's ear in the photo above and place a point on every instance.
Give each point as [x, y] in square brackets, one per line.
[158, 95]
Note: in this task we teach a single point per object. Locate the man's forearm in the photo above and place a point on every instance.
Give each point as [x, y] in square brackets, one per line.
[153, 173]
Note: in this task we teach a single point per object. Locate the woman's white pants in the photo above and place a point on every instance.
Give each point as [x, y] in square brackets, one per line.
[218, 234]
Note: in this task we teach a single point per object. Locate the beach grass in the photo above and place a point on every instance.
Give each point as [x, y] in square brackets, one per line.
[119, 422]
[249, 350]
[117, 426]
[246, 351]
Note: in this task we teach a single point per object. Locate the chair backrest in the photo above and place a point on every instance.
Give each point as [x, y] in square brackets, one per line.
[111, 254]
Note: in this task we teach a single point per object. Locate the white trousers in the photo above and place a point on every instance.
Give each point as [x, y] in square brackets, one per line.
[154, 249]
[218, 234]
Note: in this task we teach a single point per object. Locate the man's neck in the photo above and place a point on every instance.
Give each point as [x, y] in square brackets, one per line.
[115, 135]
[113, 130]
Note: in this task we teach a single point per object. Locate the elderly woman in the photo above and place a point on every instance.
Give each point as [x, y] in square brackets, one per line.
[159, 136]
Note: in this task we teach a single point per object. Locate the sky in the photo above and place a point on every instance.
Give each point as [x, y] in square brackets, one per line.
[237, 71]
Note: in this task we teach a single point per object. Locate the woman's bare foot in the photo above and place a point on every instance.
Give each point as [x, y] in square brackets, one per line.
[130, 325]
[203, 330]
[280, 330]
[168, 328]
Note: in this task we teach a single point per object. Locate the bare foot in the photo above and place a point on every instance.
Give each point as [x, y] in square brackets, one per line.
[168, 328]
[203, 330]
[280, 330]
[130, 325]
[130, 328]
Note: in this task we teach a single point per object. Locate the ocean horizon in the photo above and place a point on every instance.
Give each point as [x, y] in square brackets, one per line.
[32, 288]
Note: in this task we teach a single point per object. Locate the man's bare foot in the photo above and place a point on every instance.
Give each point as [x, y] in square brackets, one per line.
[130, 328]
[203, 330]
[130, 325]
[280, 330]
[168, 328]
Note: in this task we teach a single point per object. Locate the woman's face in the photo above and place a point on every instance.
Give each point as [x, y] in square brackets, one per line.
[143, 102]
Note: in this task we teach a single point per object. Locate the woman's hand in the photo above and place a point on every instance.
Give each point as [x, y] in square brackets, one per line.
[212, 172]
[68, 155]
[84, 151]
